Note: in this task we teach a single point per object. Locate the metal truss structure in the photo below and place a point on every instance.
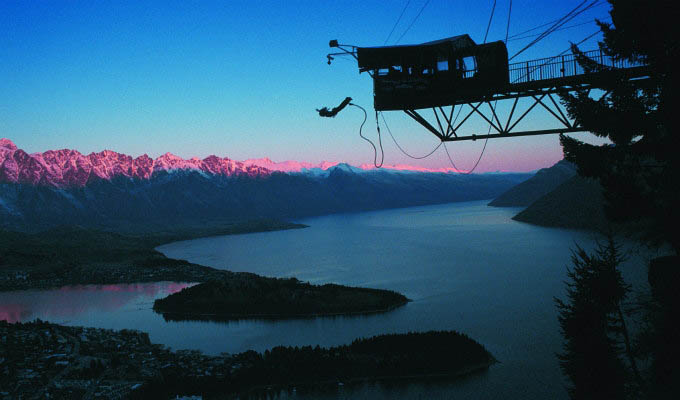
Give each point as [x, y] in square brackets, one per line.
[539, 80]
[447, 130]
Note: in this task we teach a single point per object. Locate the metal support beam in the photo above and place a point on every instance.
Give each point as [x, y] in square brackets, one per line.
[434, 110]
[514, 105]
[512, 134]
[448, 121]
[493, 111]
[557, 107]
[488, 120]
[422, 121]
[474, 109]
[566, 123]
[525, 113]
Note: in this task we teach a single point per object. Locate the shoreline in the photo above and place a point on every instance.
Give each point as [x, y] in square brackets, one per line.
[460, 373]
[59, 258]
[178, 271]
[72, 256]
[106, 361]
[230, 317]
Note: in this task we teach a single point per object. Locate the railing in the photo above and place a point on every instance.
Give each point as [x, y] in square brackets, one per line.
[561, 66]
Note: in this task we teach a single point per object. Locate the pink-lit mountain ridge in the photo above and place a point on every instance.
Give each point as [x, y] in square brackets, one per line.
[114, 191]
[70, 168]
[301, 166]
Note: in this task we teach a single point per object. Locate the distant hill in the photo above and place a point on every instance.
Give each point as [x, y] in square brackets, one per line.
[527, 192]
[194, 198]
[557, 197]
[576, 203]
[74, 245]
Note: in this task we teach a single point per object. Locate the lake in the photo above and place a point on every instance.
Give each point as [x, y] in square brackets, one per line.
[466, 266]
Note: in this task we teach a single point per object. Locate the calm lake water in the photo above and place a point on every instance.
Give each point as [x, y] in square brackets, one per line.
[466, 266]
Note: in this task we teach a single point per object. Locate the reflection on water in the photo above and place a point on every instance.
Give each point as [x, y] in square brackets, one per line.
[467, 267]
[73, 301]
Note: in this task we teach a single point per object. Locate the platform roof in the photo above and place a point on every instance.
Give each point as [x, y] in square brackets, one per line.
[385, 56]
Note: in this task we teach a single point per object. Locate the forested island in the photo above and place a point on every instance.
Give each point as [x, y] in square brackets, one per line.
[392, 356]
[47, 360]
[259, 297]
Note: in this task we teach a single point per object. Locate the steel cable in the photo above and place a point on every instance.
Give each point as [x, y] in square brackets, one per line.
[397, 23]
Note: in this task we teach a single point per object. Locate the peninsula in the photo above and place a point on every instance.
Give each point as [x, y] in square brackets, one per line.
[74, 255]
[79, 256]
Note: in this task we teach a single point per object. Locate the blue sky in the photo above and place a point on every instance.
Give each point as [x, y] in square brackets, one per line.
[241, 78]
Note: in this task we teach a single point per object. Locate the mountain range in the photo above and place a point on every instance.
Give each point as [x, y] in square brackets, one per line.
[115, 191]
[69, 168]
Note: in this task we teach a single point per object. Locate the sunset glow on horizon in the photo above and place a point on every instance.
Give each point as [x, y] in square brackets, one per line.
[243, 79]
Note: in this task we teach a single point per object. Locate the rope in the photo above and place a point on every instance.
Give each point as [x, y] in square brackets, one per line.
[451, 160]
[493, 9]
[401, 149]
[454, 164]
[587, 37]
[540, 26]
[382, 152]
[486, 141]
[397, 23]
[534, 28]
[325, 112]
[554, 57]
[507, 29]
[515, 37]
[568, 17]
[556, 25]
[549, 30]
[490, 19]
[413, 22]
[375, 150]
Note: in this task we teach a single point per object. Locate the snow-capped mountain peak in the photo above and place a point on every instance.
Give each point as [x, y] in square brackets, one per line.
[69, 168]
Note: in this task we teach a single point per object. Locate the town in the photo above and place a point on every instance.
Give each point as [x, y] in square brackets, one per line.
[44, 360]
[150, 270]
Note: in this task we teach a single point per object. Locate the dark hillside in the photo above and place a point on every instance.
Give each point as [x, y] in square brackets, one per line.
[190, 198]
[545, 180]
[576, 203]
[76, 255]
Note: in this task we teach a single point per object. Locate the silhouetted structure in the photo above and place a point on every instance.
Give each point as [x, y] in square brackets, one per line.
[433, 74]
[456, 71]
